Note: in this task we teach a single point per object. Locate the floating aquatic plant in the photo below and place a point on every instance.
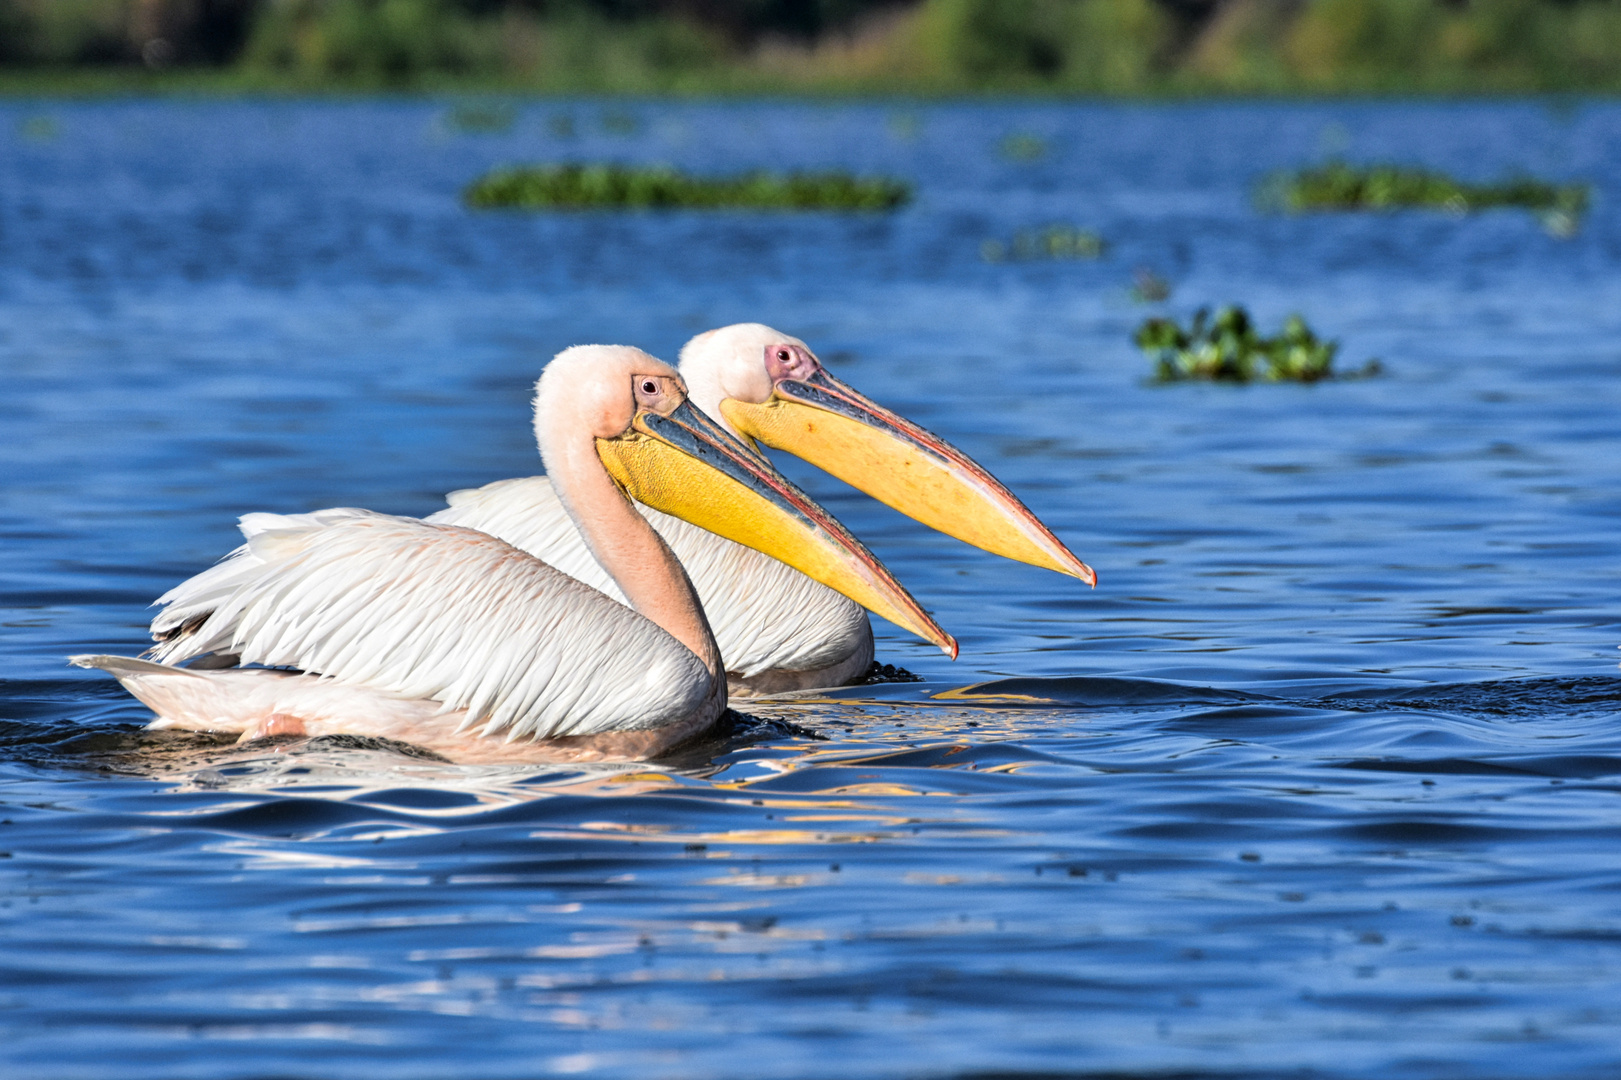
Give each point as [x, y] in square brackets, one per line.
[1226, 348]
[906, 126]
[37, 128]
[1338, 186]
[1047, 242]
[481, 117]
[1024, 147]
[1148, 287]
[618, 122]
[590, 187]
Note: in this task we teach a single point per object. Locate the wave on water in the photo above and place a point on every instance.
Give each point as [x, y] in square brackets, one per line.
[1582, 695]
[1588, 695]
[1560, 727]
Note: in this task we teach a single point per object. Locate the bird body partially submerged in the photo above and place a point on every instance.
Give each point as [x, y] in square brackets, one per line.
[455, 640]
[257, 703]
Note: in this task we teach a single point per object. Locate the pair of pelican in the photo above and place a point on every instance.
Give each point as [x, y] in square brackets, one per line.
[602, 611]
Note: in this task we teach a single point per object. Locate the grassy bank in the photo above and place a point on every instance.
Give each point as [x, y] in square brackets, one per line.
[926, 47]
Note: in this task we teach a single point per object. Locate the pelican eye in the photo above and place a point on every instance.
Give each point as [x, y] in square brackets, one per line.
[784, 355]
[649, 386]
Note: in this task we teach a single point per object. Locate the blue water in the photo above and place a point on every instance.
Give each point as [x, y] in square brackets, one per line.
[1323, 779]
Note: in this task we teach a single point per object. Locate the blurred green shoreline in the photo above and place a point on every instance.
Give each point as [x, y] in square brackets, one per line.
[1130, 50]
[74, 87]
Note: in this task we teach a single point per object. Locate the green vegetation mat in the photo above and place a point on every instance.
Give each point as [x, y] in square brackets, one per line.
[1227, 349]
[1050, 242]
[1338, 186]
[590, 187]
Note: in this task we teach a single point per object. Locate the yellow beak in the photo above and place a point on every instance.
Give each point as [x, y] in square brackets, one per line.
[688, 466]
[902, 465]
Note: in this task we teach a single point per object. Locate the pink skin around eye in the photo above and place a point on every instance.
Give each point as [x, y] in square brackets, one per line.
[648, 393]
[789, 362]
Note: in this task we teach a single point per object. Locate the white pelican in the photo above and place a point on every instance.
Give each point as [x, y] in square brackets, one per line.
[777, 629]
[452, 639]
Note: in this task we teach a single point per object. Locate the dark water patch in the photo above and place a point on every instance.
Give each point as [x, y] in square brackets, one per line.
[1473, 612]
[1432, 832]
[1382, 1004]
[735, 731]
[1594, 935]
[1253, 721]
[288, 817]
[103, 740]
[1091, 691]
[421, 799]
[1580, 767]
[1192, 831]
[1598, 695]
[366, 742]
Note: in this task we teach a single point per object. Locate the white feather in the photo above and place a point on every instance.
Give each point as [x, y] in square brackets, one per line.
[438, 612]
[766, 615]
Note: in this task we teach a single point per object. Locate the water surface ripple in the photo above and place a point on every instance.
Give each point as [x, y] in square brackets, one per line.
[1324, 778]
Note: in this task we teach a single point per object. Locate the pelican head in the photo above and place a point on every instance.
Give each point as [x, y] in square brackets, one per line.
[769, 386]
[632, 413]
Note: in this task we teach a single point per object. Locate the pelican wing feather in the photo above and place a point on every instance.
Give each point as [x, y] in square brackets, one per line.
[433, 611]
[765, 614]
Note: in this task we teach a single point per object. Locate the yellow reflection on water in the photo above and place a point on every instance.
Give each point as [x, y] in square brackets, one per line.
[878, 761]
[966, 693]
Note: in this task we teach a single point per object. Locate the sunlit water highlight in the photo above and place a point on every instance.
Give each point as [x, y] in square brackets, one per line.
[1323, 775]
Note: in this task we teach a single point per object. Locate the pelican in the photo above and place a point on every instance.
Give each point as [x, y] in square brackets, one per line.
[779, 630]
[452, 639]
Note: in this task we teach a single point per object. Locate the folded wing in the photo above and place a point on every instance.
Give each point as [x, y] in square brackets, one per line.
[765, 614]
[433, 611]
